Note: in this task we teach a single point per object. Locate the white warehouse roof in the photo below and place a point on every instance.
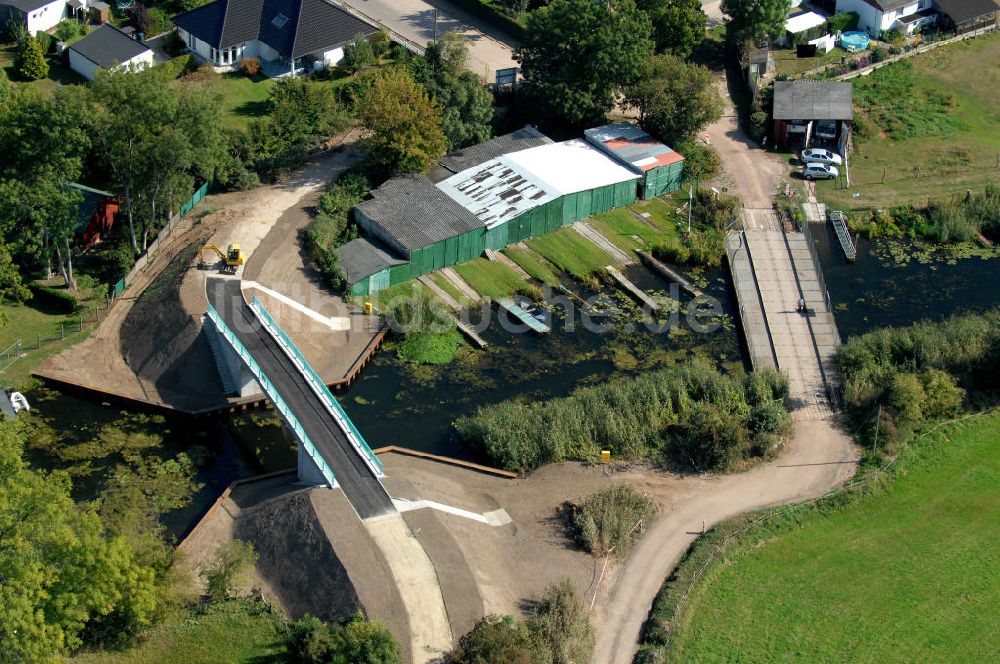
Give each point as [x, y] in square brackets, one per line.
[803, 22]
[503, 188]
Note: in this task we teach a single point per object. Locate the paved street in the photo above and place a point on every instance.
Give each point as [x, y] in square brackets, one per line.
[489, 49]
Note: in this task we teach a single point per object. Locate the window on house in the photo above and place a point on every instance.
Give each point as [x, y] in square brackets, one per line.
[279, 21]
[191, 41]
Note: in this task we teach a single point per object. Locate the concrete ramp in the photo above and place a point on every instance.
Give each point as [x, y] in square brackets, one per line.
[417, 581]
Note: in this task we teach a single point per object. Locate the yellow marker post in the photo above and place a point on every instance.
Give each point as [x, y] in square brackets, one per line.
[368, 307]
[605, 456]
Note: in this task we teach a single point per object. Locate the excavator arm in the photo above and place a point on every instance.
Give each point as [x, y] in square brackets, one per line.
[212, 247]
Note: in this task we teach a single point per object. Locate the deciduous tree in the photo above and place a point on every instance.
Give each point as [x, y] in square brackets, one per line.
[675, 99]
[405, 123]
[756, 20]
[577, 54]
[59, 570]
[678, 25]
[466, 104]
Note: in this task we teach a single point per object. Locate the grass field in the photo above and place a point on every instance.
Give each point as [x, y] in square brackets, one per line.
[59, 74]
[449, 288]
[27, 323]
[490, 279]
[534, 265]
[571, 252]
[243, 99]
[937, 128]
[908, 574]
[233, 631]
[788, 64]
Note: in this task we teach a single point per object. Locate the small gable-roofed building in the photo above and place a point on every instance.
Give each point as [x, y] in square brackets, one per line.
[288, 36]
[32, 15]
[662, 169]
[811, 110]
[107, 47]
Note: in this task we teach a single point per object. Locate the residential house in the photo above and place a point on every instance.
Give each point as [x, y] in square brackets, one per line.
[967, 15]
[107, 47]
[807, 112]
[281, 33]
[876, 16]
[33, 15]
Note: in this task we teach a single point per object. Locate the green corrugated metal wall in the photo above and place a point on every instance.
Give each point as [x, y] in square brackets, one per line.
[661, 180]
[537, 221]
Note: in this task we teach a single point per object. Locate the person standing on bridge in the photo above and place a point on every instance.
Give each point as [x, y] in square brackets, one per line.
[802, 305]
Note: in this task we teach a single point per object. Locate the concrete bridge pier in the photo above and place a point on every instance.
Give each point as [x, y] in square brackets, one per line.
[236, 377]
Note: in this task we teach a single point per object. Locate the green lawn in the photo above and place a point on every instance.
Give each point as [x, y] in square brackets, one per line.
[533, 264]
[624, 230]
[571, 252]
[786, 63]
[490, 279]
[449, 288]
[948, 106]
[662, 211]
[227, 633]
[908, 574]
[243, 99]
[29, 322]
[59, 73]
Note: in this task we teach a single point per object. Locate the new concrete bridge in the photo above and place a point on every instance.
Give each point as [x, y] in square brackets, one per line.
[253, 353]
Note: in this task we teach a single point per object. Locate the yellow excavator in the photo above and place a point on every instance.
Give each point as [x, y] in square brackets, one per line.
[231, 258]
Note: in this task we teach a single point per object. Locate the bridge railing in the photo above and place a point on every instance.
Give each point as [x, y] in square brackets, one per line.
[272, 393]
[319, 387]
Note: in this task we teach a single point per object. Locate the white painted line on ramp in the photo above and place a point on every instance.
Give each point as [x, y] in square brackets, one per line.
[337, 324]
[495, 518]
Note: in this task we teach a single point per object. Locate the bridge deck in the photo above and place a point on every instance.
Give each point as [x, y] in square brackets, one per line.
[359, 484]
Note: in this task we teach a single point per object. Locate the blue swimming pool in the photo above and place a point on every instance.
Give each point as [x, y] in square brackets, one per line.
[854, 41]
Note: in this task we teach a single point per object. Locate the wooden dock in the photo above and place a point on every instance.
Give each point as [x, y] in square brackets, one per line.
[463, 327]
[633, 290]
[668, 273]
[843, 234]
[515, 310]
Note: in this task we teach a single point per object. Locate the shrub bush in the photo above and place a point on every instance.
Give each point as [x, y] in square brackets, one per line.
[59, 299]
[608, 519]
[921, 373]
[843, 22]
[700, 159]
[250, 67]
[631, 417]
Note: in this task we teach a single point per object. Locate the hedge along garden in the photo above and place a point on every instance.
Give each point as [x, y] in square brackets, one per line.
[690, 416]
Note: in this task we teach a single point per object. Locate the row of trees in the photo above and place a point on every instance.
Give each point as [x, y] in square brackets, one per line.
[690, 415]
[135, 133]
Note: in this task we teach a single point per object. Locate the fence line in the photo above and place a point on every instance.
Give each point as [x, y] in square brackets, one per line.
[115, 290]
[874, 476]
[864, 71]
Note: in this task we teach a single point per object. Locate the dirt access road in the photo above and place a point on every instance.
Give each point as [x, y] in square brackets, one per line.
[819, 458]
[748, 171]
[150, 347]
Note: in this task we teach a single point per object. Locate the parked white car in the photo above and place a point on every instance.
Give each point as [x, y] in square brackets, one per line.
[821, 156]
[819, 172]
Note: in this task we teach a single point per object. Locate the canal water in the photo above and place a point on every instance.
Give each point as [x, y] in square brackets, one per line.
[900, 282]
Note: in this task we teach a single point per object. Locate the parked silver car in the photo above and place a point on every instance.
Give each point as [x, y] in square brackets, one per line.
[821, 156]
[819, 172]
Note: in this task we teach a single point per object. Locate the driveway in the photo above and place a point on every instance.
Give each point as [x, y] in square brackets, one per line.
[489, 49]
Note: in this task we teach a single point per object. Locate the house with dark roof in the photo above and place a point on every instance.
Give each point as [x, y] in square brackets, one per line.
[288, 36]
[967, 15]
[812, 110]
[33, 15]
[876, 16]
[107, 47]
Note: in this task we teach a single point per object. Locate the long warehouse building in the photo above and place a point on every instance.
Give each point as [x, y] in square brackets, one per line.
[487, 196]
